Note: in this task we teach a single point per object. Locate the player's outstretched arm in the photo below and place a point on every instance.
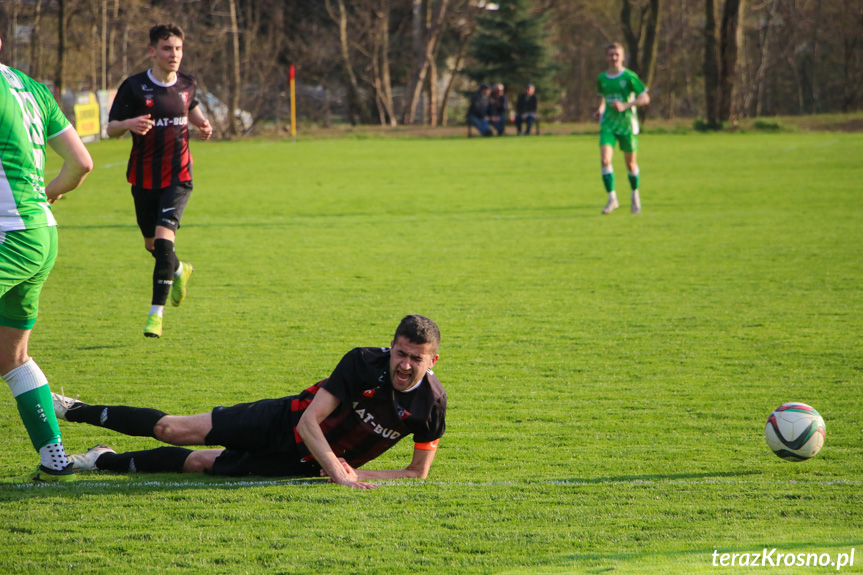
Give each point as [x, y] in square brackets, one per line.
[196, 117]
[417, 469]
[309, 429]
[77, 163]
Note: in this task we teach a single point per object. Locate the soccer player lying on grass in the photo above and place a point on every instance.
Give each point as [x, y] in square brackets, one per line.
[374, 397]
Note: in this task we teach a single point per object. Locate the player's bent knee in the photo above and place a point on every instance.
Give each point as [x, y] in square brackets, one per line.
[172, 429]
[183, 429]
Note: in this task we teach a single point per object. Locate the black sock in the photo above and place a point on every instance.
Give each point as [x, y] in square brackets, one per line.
[138, 421]
[163, 271]
[159, 460]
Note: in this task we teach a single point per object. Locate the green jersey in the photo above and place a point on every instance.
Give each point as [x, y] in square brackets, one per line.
[623, 87]
[29, 117]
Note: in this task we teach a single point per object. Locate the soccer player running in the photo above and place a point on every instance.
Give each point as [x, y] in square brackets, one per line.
[30, 118]
[156, 106]
[621, 91]
[374, 397]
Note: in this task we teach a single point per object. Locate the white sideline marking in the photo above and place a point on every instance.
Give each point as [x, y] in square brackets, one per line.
[391, 483]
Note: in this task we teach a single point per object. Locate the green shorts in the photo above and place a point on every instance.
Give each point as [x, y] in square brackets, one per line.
[26, 259]
[628, 142]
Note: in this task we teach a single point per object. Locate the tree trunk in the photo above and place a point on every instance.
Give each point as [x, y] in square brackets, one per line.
[433, 96]
[356, 107]
[642, 46]
[730, 39]
[13, 33]
[104, 41]
[125, 71]
[422, 63]
[761, 72]
[711, 67]
[381, 65]
[651, 42]
[60, 71]
[442, 114]
[386, 81]
[112, 39]
[629, 36]
[234, 84]
[36, 42]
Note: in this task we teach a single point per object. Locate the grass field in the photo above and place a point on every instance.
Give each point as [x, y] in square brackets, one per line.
[608, 376]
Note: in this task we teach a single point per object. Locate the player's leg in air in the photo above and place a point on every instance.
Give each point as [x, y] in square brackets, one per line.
[159, 214]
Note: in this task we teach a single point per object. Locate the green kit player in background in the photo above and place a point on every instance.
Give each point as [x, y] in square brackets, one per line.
[621, 91]
[30, 118]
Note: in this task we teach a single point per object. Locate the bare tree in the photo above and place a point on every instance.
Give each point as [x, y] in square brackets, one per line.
[642, 35]
[720, 66]
[60, 71]
[423, 60]
[234, 84]
[356, 106]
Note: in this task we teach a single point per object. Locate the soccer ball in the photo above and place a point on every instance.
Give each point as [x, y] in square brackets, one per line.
[795, 432]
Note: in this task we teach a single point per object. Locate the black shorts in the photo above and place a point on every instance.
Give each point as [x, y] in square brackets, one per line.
[162, 207]
[259, 440]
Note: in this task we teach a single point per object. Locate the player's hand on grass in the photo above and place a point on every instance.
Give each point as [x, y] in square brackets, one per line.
[140, 125]
[352, 478]
[206, 130]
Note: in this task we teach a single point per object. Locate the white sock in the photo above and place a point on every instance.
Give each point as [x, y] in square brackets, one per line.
[54, 456]
[612, 196]
[179, 270]
[24, 378]
[157, 309]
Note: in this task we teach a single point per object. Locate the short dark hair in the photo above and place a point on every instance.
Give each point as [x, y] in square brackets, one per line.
[616, 46]
[163, 32]
[418, 329]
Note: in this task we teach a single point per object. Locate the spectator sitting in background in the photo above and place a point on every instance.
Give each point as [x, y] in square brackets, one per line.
[525, 109]
[479, 110]
[499, 106]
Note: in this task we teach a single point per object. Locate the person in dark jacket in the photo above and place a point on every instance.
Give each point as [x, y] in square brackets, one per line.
[480, 109]
[499, 109]
[525, 109]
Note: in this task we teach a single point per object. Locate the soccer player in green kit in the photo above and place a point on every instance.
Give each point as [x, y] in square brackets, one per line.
[621, 91]
[30, 119]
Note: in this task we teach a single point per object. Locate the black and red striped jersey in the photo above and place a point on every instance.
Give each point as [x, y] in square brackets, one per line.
[161, 157]
[373, 416]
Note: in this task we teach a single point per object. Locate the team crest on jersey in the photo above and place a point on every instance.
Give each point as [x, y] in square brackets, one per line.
[148, 101]
[369, 392]
[623, 83]
[184, 96]
[404, 413]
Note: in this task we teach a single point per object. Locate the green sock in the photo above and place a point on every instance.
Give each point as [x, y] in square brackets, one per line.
[633, 180]
[37, 413]
[608, 180]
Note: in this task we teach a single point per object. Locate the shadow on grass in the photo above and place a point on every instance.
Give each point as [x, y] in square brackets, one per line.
[102, 484]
